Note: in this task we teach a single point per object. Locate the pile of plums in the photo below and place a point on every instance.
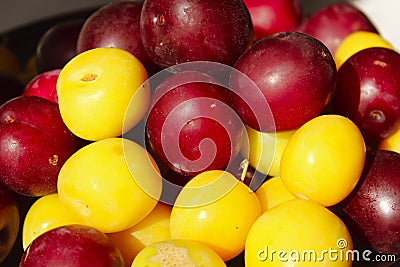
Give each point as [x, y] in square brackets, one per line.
[280, 69]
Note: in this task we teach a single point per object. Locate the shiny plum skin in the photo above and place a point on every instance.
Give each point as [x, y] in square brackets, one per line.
[334, 22]
[296, 74]
[273, 16]
[368, 92]
[72, 245]
[191, 127]
[34, 145]
[372, 209]
[58, 45]
[116, 25]
[181, 31]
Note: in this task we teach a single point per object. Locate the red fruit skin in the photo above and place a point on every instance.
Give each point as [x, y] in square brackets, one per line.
[296, 74]
[373, 208]
[332, 23]
[116, 25]
[191, 127]
[34, 144]
[9, 221]
[273, 16]
[175, 32]
[44, 85]
[368, 92]
[58, 45]
[72, 245]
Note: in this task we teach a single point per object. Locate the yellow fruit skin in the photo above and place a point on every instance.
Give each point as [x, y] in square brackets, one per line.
[356, 42]
[100, 93]
[272, 193]
[288, 234]
[265, 149]
[324, 159]
[153, 228]
[219, 214]
[110, 184]
[177, 252]
[45, 214]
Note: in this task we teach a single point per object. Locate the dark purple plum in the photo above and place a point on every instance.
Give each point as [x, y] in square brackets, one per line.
[178, 31]
[373, 208]
[73, 246]
[116, 24]
[332, 23]
[34, 144]
[296, 74]
[191, 127]
[58, 45]
[368, 92]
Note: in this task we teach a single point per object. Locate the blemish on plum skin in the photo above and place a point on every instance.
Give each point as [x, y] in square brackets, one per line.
[190, 123]
[380, 63]
[9, 120]
[53, 160]
[89, 77]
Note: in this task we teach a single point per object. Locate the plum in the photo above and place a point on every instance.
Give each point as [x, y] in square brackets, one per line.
[34, 144]
[58, 45]
[296, 74]
[190, 126]
[373, 209]
[332, 23]
[368, 92]
[116, 24]
[175, 31]
[72, 245]
[273, 16]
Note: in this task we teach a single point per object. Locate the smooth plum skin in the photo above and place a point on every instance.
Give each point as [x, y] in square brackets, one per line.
[116, 25]
[34, 144]
[44, 85]
[368, 92]
[183, 115]
[334, 22]
[296, 74]
[374, 205]
[178, 31]
[273, 16]
[58, 45]
[72, 246]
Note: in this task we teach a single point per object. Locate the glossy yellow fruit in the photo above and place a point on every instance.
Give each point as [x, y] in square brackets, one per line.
[324, 159]
[97, 88]
[187, 253]
[272, 193]
[216, 209]
[110, 184]
[356, 42]
[45, 214]
[153, 228]
[392, 142]
[298, 233]
[266, 149]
